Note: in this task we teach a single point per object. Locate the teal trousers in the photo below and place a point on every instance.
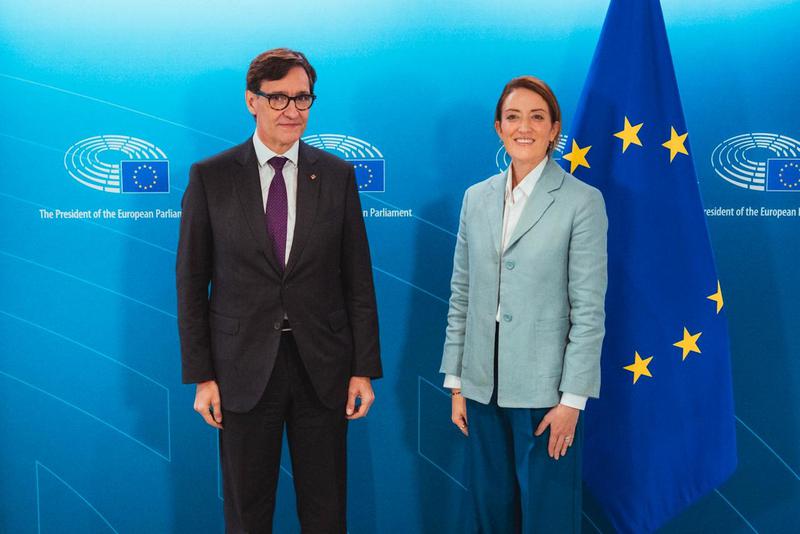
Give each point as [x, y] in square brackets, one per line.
[515, 486]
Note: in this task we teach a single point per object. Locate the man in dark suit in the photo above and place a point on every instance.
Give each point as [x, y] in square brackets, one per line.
[276, 305]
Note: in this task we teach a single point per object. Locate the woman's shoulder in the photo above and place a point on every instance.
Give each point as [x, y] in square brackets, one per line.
[490, 183]
[579, 188]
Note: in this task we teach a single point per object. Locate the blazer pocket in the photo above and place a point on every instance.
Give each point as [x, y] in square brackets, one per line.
[551, 344]
[337, 320]
[227, 325]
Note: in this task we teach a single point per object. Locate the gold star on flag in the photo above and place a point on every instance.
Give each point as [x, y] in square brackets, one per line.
[577, 157]
[639, 367]
[675, 144]
[717, 297]
[629, 134]
[688, 343]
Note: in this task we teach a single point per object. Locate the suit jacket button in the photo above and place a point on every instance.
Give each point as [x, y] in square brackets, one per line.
[507, 317]
[277, 325]
[509, 265]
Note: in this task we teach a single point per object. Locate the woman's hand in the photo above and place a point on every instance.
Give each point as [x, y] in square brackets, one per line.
[562, 420]
[459, 416]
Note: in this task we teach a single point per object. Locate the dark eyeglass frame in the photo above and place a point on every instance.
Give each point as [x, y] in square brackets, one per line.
[273, 97]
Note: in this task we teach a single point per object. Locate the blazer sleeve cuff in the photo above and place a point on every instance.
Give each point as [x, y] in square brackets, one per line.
[452, 382]
[573, 401]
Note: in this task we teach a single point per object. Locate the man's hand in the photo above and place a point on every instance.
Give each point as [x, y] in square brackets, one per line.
[459, 411]
[360, 386]
[206, 403]
[562, 420]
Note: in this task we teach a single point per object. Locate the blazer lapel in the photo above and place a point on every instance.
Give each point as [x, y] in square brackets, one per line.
[308, 179]
[551, 179]
[495, 199]
[248, 189]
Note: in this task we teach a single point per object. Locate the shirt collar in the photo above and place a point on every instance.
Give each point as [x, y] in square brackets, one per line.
[264, 153]
[528, 183]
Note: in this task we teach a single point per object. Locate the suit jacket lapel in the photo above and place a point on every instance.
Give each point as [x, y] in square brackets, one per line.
[495, 199]
[248, 189]
[308, 179]
[551, 179]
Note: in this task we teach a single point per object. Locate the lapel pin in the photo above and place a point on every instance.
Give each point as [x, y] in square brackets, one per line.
[313, 176]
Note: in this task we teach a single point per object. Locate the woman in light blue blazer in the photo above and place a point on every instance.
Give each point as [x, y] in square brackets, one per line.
[526, 323]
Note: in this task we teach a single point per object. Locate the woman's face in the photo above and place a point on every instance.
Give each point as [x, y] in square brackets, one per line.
[526, 127]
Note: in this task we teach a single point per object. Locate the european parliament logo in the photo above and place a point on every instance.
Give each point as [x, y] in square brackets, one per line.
[367, 160]
[118, 164]
[502, 160]
[759, 161]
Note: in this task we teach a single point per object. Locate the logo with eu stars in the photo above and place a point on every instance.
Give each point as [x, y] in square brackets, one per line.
[759, 161]
[367, 160]
[118, 164]
[502, 160]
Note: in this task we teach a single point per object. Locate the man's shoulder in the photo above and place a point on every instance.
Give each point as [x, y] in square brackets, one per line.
[325, 159]
[241, 154]
[226, 157]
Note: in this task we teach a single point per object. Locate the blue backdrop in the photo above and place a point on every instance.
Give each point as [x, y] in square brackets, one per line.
[99, 435]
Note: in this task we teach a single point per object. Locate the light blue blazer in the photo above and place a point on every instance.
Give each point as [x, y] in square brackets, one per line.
[551, 284]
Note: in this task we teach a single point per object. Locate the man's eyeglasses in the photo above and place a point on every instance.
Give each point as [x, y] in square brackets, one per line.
[280, 101]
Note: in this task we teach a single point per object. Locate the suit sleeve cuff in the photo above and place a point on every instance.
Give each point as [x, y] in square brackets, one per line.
[452, 382]
[570, 399]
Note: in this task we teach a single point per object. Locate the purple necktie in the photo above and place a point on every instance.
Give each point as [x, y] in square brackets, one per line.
[277, 210]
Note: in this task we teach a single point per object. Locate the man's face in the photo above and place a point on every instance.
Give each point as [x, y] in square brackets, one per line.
[279, 130]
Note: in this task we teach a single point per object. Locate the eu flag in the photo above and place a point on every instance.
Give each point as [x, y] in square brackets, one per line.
[662, 434]
[144, 176]
[370, 175]
[783, 174]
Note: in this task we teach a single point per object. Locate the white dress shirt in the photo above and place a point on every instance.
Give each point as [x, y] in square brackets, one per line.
[515, 200]
[266, 173]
